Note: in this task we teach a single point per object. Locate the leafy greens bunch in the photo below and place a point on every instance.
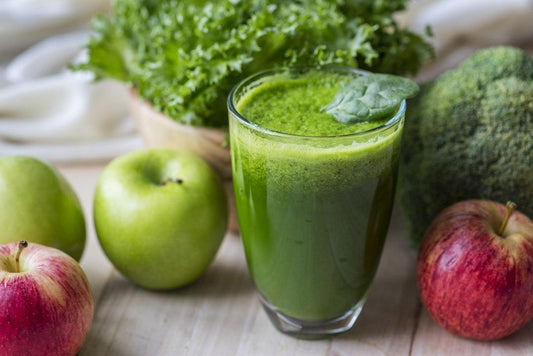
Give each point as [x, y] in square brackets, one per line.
[184, 56]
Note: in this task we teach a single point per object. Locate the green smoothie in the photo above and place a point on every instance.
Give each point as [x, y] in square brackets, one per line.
[313, 209]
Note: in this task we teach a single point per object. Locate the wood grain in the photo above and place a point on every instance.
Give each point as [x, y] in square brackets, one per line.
[220, 314]
[430, 339]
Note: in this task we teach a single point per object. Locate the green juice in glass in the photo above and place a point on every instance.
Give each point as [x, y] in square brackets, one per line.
[313, 195]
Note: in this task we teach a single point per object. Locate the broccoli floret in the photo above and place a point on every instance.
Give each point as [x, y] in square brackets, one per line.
[469, 134]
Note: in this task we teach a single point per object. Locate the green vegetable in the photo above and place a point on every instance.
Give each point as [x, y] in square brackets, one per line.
[370, 97]
[469, 134]
[184, 56]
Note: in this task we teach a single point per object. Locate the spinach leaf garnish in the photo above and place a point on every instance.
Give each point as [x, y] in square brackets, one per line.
[370, 97]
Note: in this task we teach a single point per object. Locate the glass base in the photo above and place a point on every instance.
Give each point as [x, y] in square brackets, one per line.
[311, 329]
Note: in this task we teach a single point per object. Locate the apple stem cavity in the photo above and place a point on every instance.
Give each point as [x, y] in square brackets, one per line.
[22, 245]
[173, 180]
[510, 208]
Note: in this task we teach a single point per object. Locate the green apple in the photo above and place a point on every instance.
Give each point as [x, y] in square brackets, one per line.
[38, 205]
[160, 216]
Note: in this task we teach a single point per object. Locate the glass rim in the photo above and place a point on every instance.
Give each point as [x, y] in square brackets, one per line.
[270, 72]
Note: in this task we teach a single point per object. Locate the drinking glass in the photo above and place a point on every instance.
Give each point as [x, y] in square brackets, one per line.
[313, 211]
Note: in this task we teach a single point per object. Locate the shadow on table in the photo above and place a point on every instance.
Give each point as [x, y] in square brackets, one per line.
[220, 281]
[385, 316]
[128, 317]
[521, 340]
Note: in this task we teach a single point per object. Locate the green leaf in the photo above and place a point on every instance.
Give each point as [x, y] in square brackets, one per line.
[184, 56]
[370, 97]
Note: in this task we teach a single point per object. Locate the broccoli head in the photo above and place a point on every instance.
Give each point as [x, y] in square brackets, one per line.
[469, 134]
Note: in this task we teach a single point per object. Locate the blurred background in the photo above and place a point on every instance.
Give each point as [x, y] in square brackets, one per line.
[48, 112]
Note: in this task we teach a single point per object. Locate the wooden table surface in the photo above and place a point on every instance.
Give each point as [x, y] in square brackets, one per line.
[220, 314]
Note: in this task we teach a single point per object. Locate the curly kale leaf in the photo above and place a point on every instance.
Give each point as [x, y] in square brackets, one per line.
[184, 56]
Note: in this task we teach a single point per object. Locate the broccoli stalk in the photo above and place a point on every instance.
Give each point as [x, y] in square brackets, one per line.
[469, 134]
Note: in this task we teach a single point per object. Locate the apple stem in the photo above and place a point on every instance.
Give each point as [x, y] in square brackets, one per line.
[22, 245]
[174, 180]
[510, 207]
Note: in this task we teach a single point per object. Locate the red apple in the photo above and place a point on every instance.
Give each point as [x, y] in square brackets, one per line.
[475, 269]
[46, 305]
